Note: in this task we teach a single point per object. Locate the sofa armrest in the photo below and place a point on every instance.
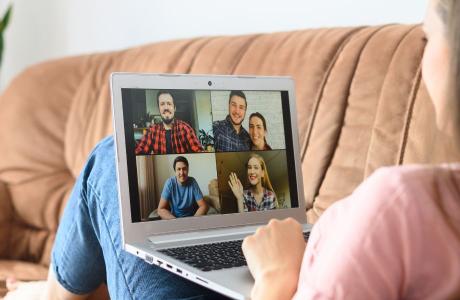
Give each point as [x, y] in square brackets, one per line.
[6, 216]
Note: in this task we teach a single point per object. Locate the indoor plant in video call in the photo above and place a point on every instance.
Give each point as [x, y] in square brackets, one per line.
[206, 140]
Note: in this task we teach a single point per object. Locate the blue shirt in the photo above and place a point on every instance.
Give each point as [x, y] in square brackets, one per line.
[182, 198]
[227, 139]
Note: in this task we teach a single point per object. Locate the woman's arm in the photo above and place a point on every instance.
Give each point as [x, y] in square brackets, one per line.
[237, 189]
[274, 256]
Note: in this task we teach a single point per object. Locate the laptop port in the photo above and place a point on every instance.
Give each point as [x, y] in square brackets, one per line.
[149, 259]
[179, 271]
[159, 262]
[169, 266]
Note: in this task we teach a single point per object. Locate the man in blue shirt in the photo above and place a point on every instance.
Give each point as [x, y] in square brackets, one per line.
[229, 134]
[181, 196]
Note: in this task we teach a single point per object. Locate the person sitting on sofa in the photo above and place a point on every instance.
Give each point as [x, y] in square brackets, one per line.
[181, 196]
[396, 237]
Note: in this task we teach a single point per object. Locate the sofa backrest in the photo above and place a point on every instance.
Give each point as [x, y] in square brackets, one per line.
[360, 99]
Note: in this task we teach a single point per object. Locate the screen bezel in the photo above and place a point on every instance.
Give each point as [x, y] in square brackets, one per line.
[138, 231]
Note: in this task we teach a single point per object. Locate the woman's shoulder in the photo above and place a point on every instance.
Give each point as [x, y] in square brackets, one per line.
[394, 218]
[412, 186]
[418, 175]
[406, 185]
[411, 193]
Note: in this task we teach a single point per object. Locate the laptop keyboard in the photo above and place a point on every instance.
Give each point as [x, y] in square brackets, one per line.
[215, 256]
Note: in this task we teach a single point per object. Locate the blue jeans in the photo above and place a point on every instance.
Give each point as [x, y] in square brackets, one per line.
[88, 249]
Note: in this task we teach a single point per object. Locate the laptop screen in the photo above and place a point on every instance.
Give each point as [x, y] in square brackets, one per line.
[195, 153]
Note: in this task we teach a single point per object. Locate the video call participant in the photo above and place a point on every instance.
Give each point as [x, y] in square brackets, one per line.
[258, 132]
[172, 135]
[260, 195]
[181, 196]
[229, 134]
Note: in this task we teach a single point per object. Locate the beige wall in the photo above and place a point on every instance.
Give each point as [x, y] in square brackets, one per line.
[203, 110]
[46, 29]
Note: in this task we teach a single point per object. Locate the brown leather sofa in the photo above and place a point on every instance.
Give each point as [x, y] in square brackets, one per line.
[360, 100]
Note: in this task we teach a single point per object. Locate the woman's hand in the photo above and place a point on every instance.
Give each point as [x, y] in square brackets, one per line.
[236, 186]
[274, 256]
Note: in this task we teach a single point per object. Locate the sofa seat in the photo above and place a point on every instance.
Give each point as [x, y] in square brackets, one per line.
[21, 270]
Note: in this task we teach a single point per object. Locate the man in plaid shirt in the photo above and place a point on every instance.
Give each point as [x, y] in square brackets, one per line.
[229, 134]
[172, 135]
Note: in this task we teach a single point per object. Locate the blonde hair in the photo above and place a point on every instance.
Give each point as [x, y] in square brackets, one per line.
[449, 13]
[266, 183]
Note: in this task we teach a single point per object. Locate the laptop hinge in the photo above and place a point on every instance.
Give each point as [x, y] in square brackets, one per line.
[222, 234]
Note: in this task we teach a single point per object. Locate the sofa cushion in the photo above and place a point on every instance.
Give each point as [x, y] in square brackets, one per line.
[34, 109]
[361, 104]
[373, 111]
[22, 270]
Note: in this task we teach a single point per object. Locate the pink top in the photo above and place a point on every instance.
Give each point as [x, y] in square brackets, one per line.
[389, 239]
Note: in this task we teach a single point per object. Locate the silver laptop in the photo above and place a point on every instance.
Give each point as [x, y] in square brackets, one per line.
[204, 160]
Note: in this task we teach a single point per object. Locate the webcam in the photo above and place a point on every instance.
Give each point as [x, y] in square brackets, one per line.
[209, 83]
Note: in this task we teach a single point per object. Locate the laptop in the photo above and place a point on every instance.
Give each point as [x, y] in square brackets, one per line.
[202, 162]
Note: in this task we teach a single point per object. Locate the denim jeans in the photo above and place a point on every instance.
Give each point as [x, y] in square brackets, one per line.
[88, 249]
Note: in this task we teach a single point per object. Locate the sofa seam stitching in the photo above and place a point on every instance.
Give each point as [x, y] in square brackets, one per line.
[318, 97]
[323, 176]
[243, 51]
[172, 65]
[407, 119]
[198, 52]
[405, 35]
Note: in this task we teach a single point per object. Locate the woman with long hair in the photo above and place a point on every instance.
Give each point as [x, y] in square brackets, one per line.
[398, 235]
[260, 195]
[258, 132]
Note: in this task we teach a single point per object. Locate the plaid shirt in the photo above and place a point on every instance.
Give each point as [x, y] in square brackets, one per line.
[268, 201]
[183, 139]
[226, 138]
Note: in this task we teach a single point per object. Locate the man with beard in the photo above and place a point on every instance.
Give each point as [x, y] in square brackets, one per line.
[170, 136]
[229, 134]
